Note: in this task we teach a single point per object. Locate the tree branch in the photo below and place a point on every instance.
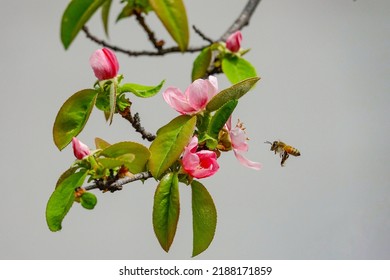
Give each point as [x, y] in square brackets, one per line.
[117, 185]
[136, 123]
[113, 183]
[200, 33]
[141, 20]
[242, 20]
[239, 23]
[161, 52]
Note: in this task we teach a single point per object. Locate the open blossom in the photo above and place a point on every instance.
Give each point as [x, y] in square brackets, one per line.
[194, 99]
[199, 164]
[233, 42]
[80, 150]
[239, 144]
[104, 64]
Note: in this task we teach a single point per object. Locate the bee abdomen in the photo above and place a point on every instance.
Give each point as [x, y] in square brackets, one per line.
[292, 151]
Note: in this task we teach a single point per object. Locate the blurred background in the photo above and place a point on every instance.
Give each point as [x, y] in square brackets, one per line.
[325, 87]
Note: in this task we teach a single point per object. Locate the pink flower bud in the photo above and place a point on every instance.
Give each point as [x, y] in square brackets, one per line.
[194, 99]
[233, 42]
[199, 164]
[80, 150]
[104, 64]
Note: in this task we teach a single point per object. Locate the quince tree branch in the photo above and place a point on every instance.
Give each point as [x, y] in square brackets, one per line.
[242, 21]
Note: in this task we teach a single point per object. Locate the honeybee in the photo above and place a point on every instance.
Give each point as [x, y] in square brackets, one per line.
[284, 150]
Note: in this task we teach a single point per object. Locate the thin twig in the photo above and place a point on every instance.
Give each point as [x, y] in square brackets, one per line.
[242, 20]
[201, 34]
[141, 20]
[239, 23]
[162, 52]
[136, 123]
[118, 184]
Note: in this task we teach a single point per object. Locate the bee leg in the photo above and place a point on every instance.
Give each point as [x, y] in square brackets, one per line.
[284, 158]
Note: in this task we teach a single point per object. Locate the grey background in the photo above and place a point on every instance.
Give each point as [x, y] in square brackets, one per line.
[325, 68]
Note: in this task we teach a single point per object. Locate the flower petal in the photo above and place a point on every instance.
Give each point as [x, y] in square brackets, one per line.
[246, 162]
[239, 138]
[177, 100]
[197, 94]
[213, 87]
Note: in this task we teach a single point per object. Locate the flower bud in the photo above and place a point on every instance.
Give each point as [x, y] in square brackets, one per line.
[80, 150]
[104, 64]
[233, 42]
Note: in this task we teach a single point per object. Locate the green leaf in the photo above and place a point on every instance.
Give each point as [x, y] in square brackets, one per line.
[111, 163]
[72, 117]
[169, 143]
[172, 14]
[103, 101]
[234, 92]
[201, 64]
[88, 200]
[101, 144]
[62, 200]
[105, 14]
[220, 118]
[141, 90]
[141, 6]
[127, 10]
[75, 16]
[125, 150]
[204, 218]
[237, 69]
[66, 174]
[166, 210]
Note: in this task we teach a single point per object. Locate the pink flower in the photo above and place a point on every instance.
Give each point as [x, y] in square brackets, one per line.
[239, 144]
[233, 42]
[80, 150]
[104, 64]
[194, 99]
[199, 164]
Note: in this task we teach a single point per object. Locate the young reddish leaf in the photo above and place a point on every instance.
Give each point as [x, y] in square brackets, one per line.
[123, 150]
[204, 218]
[72, 117]
[75, 16]
[62, 200]
[141, 90]
[234, 92]
[201, 64]
[169, 143]
[237, 69]
[172, 14]
[166, 210]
